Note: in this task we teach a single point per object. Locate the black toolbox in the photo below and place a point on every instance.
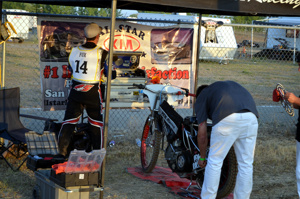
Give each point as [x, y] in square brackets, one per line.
[42, 149]
[75, 179]
[81, 169]
[47, 189]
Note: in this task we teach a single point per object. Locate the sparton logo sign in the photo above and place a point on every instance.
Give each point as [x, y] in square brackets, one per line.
[296, 3]
[123, 43]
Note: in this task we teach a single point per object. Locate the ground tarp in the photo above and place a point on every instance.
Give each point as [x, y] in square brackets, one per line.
[169, 179]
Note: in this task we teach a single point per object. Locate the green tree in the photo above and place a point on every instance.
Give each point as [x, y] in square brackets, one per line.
[57, 9]
[245, 19]
[12, 5]
[133, 15]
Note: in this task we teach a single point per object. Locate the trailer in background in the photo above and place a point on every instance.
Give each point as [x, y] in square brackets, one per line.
[217, 36]
[281, 43]
[281, 38]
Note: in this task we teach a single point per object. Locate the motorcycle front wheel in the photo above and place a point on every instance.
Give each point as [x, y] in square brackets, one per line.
[150, 145]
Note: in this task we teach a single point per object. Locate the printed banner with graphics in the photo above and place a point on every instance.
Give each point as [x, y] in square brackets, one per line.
[166, 52]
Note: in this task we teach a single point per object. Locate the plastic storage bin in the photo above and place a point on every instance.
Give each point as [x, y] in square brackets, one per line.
[80, 161]
[41, 143]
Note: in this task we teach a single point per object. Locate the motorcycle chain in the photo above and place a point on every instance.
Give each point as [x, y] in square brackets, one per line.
[286, 104]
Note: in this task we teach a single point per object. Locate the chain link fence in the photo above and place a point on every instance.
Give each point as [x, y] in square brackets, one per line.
[256, 56]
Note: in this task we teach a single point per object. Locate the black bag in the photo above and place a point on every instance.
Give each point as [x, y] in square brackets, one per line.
[80, 139]
[52, 126]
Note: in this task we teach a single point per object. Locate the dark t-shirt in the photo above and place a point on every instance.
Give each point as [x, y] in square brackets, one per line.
[298, 127]
[221, 99]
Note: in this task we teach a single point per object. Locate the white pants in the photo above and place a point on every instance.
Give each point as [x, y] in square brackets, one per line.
[240, 130]
[298, 166]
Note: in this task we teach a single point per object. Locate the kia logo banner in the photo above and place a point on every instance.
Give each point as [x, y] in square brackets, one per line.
[165, 52]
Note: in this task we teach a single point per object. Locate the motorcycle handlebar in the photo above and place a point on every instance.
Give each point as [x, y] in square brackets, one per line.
[142, 86]
[191, 94]
[187, 92]
[139, 86]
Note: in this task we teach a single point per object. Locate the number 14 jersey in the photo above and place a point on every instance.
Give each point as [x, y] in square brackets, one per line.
[85, 64]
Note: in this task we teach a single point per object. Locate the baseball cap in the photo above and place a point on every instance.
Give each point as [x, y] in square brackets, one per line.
[92, 30]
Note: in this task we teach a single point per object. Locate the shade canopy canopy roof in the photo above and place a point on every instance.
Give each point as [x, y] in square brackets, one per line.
[219, 7]
[280, 21]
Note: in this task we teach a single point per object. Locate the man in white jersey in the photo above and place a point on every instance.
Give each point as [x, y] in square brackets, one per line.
[87, 65]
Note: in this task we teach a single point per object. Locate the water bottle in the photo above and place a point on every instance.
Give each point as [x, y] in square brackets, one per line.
[138, 142]
[112, 143]
[141, 96]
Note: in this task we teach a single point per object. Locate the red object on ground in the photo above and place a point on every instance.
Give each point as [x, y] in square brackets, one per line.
[169, 179]
[276, 95]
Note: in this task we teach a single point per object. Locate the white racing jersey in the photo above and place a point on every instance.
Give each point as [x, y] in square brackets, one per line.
[85, 64]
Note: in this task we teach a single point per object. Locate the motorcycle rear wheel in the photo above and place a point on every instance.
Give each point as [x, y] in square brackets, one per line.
[228, 175]
[150, 146]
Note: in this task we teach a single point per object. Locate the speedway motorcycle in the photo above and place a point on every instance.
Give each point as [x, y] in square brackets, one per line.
[165, 130]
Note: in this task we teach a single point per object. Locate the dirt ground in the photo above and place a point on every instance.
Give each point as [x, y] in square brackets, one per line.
[274, 173]
[273, 178]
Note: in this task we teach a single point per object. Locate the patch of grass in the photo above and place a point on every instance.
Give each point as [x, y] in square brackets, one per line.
[246, 72]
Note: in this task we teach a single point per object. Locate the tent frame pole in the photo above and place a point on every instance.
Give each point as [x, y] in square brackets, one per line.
[108, 87]
[197, 60]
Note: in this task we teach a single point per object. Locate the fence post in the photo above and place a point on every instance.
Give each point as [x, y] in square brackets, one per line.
[294, 57]
[251, 53]
[3, 52]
